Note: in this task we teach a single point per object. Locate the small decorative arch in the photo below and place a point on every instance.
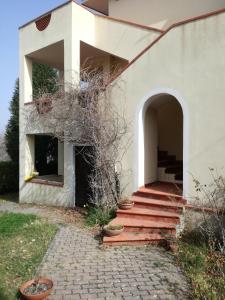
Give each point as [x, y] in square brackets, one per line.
[43, 23]
[139, 136]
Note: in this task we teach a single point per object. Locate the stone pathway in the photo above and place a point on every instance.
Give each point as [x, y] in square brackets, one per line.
[81, 269]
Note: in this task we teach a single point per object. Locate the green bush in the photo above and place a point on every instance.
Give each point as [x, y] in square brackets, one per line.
[9, 177]
[99, 216]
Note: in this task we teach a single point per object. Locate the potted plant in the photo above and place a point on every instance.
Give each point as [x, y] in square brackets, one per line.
[126, 203]
[171, 243]
[36, 289]
[43, 104]
[113, 230]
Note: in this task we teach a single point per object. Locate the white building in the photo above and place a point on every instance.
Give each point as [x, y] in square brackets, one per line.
[172, 63]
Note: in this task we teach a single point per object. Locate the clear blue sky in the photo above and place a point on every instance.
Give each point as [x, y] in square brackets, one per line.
[14, 13]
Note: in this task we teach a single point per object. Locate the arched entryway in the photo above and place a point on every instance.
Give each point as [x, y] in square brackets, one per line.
[161, 140]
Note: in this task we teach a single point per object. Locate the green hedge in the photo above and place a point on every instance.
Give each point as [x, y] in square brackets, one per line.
[9, 177]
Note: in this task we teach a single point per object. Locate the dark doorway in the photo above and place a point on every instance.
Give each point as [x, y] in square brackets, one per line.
[84, 162]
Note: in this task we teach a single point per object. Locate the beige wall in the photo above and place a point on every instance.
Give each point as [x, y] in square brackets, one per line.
[188, 63]
[32, 40]
[161, 13]
[69, 24]
[122, 40]
[116, 38]
[150, 144]
[170, 127]
[192, 70]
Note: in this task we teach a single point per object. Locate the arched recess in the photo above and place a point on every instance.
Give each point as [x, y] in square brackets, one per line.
[162, 125]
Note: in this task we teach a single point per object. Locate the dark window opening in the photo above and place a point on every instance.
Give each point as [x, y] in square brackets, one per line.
[46, 158]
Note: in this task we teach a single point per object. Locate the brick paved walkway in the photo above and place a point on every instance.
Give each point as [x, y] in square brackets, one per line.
[80, 269]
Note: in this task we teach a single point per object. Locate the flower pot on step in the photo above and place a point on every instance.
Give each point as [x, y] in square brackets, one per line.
[36, 289]
[111, 230]
[126, 204]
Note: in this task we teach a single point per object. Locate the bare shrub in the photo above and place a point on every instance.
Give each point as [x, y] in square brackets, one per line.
[212, 198]
[202, 252]
[83, 113]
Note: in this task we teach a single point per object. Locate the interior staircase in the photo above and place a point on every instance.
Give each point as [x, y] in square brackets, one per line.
[169, 168]
[155, 215]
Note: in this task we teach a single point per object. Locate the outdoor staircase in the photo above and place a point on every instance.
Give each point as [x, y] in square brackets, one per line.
[155, 215]
[169, 168]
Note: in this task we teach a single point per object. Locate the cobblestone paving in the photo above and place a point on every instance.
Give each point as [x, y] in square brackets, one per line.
[80, 269]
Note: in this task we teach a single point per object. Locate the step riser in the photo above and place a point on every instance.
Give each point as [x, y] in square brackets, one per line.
[150, 221]
[150, 196]
[167, 157]
[159, 197]
[165, 164]
[132, 243]
[149, 218]
[150, 230]
[157, 207]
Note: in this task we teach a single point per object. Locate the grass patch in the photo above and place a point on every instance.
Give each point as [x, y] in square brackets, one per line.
[98, 216]
[11, 223]
[12, 197]
[24, 240]
[205, 269]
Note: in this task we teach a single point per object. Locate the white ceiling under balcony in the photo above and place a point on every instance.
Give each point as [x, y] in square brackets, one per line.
[52, 55]
[98, 5]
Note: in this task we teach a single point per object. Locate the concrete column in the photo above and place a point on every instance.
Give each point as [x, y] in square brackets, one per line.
[71, 75]
[60, 158]
[150, 145]
[29, 154]
[27, 80]
[26, 163]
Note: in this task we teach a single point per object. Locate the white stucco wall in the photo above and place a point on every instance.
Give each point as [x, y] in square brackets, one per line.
[59, 29]
[69, 24]
[120, 39]
[188, 63]
[117, 38]
[161, 13]
[192, 70]
[150, 145]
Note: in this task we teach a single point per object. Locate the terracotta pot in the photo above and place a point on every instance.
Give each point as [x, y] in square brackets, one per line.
[173, 247]
[39, 296]
[126, 205]
[43, 105]
[112, 232]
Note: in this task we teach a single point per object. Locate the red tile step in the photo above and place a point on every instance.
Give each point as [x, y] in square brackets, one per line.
[150, 215]
[155, 214]
[130, 238]
[157, 204]
[152, 193]
[144, 226]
